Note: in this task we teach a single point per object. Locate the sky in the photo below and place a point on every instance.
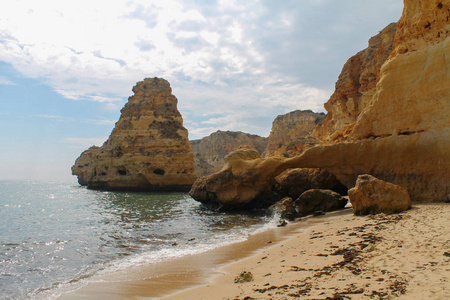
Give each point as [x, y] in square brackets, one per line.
[68, 67]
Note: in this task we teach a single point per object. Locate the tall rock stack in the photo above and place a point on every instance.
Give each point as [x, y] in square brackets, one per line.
[148, 150]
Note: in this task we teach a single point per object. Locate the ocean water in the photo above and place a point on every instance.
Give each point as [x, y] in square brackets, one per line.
[56, 234]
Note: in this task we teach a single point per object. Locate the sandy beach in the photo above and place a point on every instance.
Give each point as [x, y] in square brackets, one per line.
[333, 256]
[405, 256]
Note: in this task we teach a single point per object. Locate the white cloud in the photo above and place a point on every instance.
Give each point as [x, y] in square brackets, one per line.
[241, 62]
[83, 143]
[101, 122]
[6, 81]
[58, 118]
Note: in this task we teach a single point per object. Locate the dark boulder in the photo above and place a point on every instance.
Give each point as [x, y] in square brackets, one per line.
[293, 182]
[284, 208]
[316, 200]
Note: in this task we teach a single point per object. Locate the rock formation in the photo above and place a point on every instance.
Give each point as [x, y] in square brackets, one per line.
[355, 86]
[290, 133]
[148, 150]
[294, 182]
[243, 182]
[372, 196]
[317, 200]
[210, 151]
[402, 134]
[284, 208]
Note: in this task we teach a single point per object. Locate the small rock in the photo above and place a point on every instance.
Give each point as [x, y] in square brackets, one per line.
[282, 223]
[318, 213]
[284, 208]
[244, 277]
[370, 248]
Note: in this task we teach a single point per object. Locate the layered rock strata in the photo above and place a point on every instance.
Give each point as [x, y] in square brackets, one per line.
[210, 151]
[355, 86]
[402, 136]
[148, 150]
[290, 133]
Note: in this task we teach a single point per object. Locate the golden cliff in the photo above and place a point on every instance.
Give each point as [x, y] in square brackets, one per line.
[355, 86]
[148, 150]
[210, 151]
[288, 137]
[399, 133]
[290, 133]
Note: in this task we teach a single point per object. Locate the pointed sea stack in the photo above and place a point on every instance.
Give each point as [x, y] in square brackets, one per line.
[148, 150]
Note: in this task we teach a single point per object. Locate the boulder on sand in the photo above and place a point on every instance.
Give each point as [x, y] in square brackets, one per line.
[294, 182]
[315, 200]
[284, 208]
[372, 196]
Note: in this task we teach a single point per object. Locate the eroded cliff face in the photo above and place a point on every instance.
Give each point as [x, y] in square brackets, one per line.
[401, 134]
[355, 87]
[210, 151]
[290, 133]
[148, 149]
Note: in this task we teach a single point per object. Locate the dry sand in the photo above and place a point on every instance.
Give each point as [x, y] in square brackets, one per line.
[404, 256]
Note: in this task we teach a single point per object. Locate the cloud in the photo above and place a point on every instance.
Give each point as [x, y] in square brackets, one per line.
[244, 61]
[6, 81]
[225, 109]
[58, 118]
[83, 143]
[101, 122]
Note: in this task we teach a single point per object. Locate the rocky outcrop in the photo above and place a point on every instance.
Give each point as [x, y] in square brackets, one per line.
[284, 209]
[402, 136]
[243, 182]
[355, 86]
[317, 200]
[290, 133]
[210, 151]
[148, 150]
[372, 196]
[294, 182]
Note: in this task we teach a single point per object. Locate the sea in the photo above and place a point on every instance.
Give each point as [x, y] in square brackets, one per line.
[57, 234]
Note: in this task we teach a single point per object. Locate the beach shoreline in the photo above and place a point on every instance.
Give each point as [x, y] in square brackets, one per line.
[405, 256]
[170, 276]
[335, 256]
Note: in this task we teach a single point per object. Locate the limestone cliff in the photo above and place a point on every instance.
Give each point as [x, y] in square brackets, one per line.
[289, 134]
[148, 150]
[210, 151]
[355, 86]
[402, 134]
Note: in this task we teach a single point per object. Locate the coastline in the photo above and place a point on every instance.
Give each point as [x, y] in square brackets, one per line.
[335, 256]
[405, 255]
[171, 276]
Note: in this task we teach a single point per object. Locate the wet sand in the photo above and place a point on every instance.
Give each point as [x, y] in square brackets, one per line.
[336, 256]
[160, 279]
